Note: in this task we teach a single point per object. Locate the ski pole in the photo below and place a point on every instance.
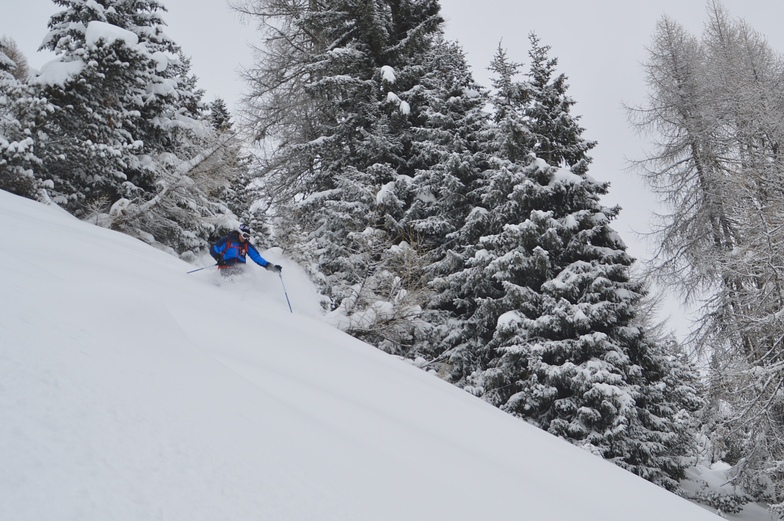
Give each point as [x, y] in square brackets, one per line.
[285, 292]
[199, 269]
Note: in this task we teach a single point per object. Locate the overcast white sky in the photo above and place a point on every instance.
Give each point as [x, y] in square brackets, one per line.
[599, 45]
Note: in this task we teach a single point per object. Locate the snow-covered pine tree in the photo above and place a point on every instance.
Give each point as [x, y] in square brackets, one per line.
[445, 148]
[448, 156]
[20, 112]
[546, 305]
[220, 117]
[97, 88]
[459, 286]
[513, 138]
[126, 131]
[555, 132]
[336, 97]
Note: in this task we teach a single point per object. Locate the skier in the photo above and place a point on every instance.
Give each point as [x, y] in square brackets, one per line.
[231, 249]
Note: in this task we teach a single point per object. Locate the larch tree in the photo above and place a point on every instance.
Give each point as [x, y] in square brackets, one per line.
[714, 106]
[17, 66]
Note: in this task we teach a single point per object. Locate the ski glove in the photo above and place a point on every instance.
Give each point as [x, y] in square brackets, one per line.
[277, 268]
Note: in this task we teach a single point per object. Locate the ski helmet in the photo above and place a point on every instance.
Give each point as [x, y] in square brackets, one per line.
[244, 229]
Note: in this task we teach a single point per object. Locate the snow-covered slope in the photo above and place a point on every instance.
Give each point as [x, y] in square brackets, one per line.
[130, 390]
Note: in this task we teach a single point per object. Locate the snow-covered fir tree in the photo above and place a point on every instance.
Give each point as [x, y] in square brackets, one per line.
[234, 182]
[446, 148]
[97, 88]
[555, 133]
[446, 165]
[513, 137]
[340, 94]
[220, 117]
[127, 133]
[381, 159]
[545, 305]
[20, 114]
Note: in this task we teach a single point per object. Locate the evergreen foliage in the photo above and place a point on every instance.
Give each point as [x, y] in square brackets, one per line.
[344, 94]
[448, 158]
[384, 172]
[20, 113]
[545, 305]
[555, 132]
[128, 134]
[98, 90]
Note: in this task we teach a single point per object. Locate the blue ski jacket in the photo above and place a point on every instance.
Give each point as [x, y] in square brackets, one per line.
[230, 250]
